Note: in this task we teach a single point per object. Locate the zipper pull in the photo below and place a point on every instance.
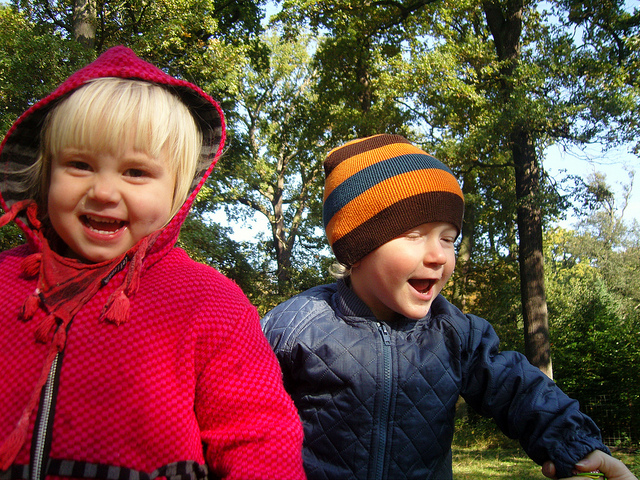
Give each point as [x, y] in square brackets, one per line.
[386, 338]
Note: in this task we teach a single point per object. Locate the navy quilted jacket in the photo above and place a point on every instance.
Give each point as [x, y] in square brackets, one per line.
[377, 401]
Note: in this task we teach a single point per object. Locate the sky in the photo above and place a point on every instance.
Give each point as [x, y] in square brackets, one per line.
[614, 164]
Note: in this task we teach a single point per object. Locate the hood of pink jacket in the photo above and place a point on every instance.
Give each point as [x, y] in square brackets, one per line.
[20, 146]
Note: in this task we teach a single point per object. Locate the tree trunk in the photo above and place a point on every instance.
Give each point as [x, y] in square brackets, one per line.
[283, 250]
[531, 259]
[469, 186]
[84, 22]
[505, 23]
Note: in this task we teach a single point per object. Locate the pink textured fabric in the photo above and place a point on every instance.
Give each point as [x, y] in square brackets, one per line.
[189, 367]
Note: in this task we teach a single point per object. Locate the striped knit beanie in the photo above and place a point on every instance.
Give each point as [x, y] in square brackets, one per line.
[377, 188]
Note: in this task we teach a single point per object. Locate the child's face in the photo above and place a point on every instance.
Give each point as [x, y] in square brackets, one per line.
[404, 275]
[101, 204]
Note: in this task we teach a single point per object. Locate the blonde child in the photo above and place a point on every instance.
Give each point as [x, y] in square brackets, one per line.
[121, 357]
[376, 362]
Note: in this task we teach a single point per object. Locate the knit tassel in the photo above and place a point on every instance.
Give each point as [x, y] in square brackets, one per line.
[31, 264]
[14, 210]
[32, 215]
[46, 328]
[10, 448]
[30, 306]
[117, 310]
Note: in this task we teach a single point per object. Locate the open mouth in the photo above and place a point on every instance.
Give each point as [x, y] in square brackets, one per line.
[422, 285]
[102, 224]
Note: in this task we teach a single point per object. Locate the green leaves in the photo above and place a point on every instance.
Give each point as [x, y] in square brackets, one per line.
[34, 59]
[330, 71]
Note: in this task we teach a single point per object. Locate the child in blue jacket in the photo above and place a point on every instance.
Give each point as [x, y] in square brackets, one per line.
[376, 362]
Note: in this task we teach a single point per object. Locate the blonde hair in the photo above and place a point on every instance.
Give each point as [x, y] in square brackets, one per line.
[340, 271]
[110, 114]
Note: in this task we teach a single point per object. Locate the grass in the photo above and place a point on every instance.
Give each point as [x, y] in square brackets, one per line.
[485, 453]
[512, 463]
[496, 463]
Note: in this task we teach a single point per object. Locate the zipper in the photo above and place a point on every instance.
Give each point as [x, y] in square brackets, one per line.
[383, 418]
[43, 424]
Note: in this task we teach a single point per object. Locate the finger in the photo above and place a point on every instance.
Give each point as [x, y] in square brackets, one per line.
[549, 469]
[596, 460]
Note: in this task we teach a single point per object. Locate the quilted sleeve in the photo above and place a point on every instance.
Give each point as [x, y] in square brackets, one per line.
[248, 422]
[524, 402]
[283, 324]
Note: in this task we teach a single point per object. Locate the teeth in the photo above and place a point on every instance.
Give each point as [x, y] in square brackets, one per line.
[102, 220]
[103, 225]
[102, 232]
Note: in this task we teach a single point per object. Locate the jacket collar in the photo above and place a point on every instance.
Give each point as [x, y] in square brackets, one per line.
[352, 309]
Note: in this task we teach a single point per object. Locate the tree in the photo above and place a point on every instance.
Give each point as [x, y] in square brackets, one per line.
[609, 243]
[358, 44]
[34, 59]
[274, 164]
[541, 96]
[608, 34]
[504, 20]
[84, 22]
[485, 86]
[595, 306]
[198, 40]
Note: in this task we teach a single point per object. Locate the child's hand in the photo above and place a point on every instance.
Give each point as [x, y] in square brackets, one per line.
[612, 468]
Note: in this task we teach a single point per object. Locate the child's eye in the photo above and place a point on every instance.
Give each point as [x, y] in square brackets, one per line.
[78, 165]
[136, 173]
[449, 237]
[412, 234]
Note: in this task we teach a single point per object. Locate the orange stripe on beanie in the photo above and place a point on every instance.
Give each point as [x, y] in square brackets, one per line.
[376, 188]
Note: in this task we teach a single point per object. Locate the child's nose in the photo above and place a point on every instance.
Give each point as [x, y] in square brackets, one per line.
[434, 254]
[103, 189]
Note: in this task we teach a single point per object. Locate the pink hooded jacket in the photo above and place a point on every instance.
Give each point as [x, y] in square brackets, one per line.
[148, 366]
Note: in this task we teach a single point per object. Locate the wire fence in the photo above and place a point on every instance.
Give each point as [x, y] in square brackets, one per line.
[617, 415]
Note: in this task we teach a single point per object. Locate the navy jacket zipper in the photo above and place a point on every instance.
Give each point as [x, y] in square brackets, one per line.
[383, 419]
